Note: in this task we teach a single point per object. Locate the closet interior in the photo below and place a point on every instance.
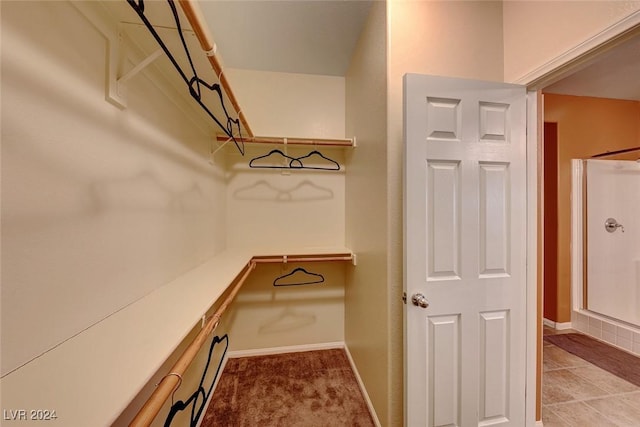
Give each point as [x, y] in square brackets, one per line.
[269, 265]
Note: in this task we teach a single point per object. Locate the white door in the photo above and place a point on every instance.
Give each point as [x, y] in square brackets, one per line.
[465, 252]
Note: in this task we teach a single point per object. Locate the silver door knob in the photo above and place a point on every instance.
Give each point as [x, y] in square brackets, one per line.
[419, 300]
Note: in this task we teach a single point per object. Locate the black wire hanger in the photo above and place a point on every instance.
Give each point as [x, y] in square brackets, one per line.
[306, 278]
[287, 162]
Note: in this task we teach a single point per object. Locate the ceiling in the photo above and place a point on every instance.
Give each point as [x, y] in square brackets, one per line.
[296, 36]
[319, 36]
[615, 74]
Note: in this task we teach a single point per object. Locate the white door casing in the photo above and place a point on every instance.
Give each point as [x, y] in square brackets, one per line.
[465, 251]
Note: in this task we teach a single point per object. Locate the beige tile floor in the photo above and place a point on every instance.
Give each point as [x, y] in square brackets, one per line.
[576, 393]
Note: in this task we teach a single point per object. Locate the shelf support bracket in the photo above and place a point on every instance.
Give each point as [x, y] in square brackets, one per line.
[116, 59]
[141, 66]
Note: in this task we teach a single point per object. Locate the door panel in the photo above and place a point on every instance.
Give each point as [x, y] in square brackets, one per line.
[443, 216]
[494, 219]
[444, 370]
[465, 216]
[494, 373]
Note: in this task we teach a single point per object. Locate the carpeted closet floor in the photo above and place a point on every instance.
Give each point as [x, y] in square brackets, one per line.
[313, 388]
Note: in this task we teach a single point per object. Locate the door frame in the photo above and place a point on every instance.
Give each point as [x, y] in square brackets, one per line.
[554, 70]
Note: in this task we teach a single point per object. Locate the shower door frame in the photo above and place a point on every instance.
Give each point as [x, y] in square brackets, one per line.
[577, 238]
[578, 253]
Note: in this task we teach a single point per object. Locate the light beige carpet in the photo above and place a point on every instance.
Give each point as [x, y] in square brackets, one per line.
[307, 389]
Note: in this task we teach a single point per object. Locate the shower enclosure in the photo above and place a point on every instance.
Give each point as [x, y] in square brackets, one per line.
[605, 248]
[612, 239]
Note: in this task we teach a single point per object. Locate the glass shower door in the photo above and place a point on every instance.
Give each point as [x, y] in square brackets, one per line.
[613, 238]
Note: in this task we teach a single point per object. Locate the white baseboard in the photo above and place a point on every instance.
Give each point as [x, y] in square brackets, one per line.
[539, 423]
[372, 411]
[556, 325]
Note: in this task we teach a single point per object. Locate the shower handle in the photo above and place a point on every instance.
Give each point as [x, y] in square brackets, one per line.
[612, 225]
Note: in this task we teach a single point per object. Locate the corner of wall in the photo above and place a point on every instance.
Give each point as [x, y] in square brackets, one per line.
[367, 306]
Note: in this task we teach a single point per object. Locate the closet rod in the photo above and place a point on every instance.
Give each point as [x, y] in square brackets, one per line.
[194, 16]
[165, 388]
[302, 258]
[294, 141]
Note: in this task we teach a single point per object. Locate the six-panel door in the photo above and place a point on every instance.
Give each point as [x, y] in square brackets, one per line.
[465, 251]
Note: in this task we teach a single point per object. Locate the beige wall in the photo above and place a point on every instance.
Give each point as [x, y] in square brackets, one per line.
[267, 208]
[272, 208]
[586, 126]
[289, 104]
[458, 39]
[264, 316]
[367, 319]
[536, 32]
[100, 206]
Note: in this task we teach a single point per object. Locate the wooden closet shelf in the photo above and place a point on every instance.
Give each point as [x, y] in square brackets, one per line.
[346, 142]
[110, 361]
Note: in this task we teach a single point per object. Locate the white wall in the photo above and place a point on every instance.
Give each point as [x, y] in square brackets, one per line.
[99, 205]
[613, 259]
[536, 32]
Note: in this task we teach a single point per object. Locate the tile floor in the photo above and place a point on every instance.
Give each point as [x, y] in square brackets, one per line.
[576, 393]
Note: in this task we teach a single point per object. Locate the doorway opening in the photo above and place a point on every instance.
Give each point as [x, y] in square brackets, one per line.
[584, 115]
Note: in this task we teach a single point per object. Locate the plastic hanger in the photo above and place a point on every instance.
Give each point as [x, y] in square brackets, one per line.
[198, 400]
[305, 278]
[335, 166]
[189, 74]
[286, 161]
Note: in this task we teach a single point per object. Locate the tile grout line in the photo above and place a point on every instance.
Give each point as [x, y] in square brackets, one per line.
[605, 416]
[552, 405]
[554, 408]
[559, 415]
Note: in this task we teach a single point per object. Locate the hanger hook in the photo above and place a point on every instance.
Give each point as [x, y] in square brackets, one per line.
[176, 387]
